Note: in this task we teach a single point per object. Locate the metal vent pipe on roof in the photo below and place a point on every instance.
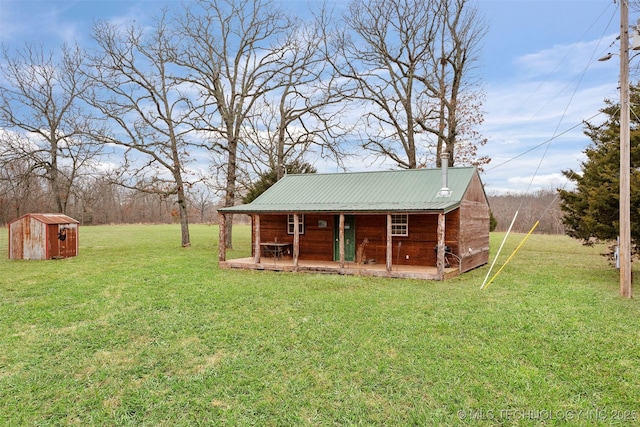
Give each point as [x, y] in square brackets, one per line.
[444, 163]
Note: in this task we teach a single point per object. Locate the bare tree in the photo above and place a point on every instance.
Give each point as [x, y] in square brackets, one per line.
[44, 119]
[408, 60]
[144, 102]
[202, 202]
[460, 34]
[305, 114]
[105, 201]
[21, 191]
[234, 60]
[468, 139]
[542, 205]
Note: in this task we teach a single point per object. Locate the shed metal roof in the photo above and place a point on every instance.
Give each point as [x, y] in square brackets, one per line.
[50, 218]
[380, 191]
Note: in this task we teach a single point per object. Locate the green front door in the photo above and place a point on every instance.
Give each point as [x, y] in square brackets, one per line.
[349, 238]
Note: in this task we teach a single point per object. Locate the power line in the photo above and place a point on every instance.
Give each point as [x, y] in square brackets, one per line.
[548, 144]
[544, 142]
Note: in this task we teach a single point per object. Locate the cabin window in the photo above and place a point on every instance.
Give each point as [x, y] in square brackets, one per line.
[290, 224]
[399, 225]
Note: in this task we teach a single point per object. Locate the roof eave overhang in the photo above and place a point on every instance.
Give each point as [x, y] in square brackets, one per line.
[306, 210]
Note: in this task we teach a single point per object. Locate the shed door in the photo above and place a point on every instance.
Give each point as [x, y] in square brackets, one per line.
[349, 238]
[64, 240]
[71, 247]
[53, 244]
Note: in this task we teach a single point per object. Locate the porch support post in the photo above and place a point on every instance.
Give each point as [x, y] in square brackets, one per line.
[341, 239]
[222, 237]
[256, 239]
[440, 252]
[389, 244]
[296, 241]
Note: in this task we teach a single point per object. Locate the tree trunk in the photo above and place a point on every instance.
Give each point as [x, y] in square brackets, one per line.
[54, 177]
[184, 217]
[230, 190]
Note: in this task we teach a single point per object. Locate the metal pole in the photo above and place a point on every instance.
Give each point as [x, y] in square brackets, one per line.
[625, 157]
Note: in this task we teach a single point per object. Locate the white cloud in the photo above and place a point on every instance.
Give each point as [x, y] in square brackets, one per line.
[534, 123]
[552, 180]
[568, 60]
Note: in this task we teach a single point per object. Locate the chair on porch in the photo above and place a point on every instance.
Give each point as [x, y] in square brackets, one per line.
[449, 256]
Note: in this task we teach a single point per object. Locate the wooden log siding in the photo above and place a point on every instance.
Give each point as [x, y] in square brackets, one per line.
[418, 248]
[474, 234]
[474, 227]
[316, 243]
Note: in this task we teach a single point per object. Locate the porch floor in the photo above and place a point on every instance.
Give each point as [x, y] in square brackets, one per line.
[350, 268]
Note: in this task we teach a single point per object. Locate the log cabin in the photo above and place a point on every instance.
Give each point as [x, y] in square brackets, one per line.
[418, 223]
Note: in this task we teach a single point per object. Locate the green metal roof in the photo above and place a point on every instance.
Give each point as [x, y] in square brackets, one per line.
[380, 191]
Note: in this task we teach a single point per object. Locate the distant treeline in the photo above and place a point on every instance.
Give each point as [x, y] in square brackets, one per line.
[105, 203]
[543, 206]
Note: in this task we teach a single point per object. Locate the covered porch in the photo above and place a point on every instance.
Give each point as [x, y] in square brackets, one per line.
[348, 268]
[285, 256]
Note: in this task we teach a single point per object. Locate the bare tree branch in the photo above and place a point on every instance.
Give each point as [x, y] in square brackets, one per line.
[304, 115]
[234, 60]
[44, 120]
[145, 104]
[408, 60]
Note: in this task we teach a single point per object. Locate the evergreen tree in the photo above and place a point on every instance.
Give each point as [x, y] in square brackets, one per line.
[267, 179]
[592, 208]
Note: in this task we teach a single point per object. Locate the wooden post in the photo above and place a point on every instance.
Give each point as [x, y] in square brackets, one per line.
[625, 157]
[341, 240]
[256, 239]
[389, 244]
[296, 241]
[440, 252]
[222, 237]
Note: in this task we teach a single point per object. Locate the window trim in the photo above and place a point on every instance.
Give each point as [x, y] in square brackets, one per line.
[399, 225]
[290, 222]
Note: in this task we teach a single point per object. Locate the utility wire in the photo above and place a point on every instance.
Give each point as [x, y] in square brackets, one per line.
[591, 61]
[485, 284]
[546, 141]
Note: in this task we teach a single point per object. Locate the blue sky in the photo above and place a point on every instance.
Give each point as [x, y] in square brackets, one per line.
[542, 79]
[538, 68]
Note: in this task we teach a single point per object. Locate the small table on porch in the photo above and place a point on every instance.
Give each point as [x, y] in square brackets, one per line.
[275, 249]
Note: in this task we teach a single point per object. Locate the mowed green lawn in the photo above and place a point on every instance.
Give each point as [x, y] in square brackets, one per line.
[139, 331]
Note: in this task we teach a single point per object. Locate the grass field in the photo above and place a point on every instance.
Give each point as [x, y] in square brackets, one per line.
[139, 331]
